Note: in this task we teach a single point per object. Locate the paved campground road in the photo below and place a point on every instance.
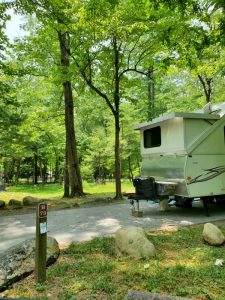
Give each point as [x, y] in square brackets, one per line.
[82, 224]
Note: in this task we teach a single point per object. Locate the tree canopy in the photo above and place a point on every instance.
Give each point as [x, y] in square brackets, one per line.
[102, 66]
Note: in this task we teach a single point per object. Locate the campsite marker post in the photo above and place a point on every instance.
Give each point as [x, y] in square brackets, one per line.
[41, 242]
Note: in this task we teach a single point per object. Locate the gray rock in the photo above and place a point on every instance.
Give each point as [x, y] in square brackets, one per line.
[14, 202]
[132, 240]
[213, 235]
[133, 295]
[19, 261]
[31, 201]
[2, 204]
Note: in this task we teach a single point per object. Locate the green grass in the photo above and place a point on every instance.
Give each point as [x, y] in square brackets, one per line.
[183, 266]
[55, 191]
[109, 187]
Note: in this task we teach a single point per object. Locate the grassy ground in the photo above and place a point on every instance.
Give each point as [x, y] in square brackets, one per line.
[183, 266]
[55, 191]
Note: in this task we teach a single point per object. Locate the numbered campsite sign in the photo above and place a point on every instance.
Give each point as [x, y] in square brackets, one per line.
[41, 242]
[42, 210]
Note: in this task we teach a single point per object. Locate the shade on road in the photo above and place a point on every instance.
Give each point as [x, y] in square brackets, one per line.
[81, 224]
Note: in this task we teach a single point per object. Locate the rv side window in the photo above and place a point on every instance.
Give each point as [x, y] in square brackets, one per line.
[152, 137]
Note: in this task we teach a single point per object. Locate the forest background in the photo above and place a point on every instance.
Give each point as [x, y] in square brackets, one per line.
[85, 72]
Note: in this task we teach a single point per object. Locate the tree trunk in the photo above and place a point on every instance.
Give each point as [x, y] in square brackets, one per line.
[73, 162]
[5, 173]
[207, 87]
[57, 172]
[66, 177]
[11, 170]
[40, 169]
[35, 176]
[49, 178]
[17, 173]
[151, 93]
[115, 108]
[139, 168]
[117, 121]
[45, 171]
[131, 176]
[117, 158]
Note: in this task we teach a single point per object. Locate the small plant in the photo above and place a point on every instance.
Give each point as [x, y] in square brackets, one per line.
[98, 267]
[40, 287]
[143, 255]
[103, 284]
[59, 270]
[67, 296]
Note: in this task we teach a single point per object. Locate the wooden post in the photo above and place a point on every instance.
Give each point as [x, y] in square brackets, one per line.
[136, 212]
[41, 243]
[163, 204]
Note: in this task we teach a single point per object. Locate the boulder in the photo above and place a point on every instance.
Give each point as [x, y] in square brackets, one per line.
[31, 201]
[132, 240]
[135, 295]
[16, 203]
[2, 204]
[19, 261]
[213, 235]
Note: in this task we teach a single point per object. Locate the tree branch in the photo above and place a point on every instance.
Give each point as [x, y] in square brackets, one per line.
[89, 80]
[98, 91]
[206, 91]
[133, 70]
[132, 49]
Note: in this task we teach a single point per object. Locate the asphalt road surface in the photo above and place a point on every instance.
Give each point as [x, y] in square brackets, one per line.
[82, 224]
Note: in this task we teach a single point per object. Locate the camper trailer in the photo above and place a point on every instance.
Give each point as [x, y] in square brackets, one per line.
[183, 158]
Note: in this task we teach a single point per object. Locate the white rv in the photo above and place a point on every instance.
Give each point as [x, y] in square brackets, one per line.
[183, 157]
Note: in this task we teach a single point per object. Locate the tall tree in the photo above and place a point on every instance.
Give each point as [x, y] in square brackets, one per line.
[71, 148]
[50, 15]
[107, 44]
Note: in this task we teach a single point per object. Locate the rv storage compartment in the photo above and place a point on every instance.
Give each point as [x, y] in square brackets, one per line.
[145, 187]
[165, 188]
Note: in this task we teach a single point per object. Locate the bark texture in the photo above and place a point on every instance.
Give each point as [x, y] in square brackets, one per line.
[75, 181]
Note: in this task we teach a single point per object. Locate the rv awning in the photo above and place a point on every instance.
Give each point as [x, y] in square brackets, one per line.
[177, 115]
